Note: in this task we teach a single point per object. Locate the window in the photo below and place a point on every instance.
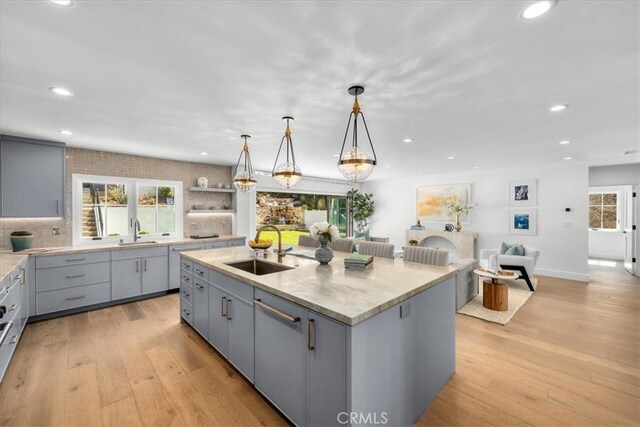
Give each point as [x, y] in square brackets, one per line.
[603, 211]
[105, 208]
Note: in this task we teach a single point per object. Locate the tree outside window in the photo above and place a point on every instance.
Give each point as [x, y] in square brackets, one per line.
[603, 211]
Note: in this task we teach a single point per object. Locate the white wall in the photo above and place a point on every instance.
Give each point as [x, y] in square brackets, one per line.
[561, 236]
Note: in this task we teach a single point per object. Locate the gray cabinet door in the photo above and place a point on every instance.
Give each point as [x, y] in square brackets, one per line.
[218, 328]
[32, 178]
[126, 278]
[201, 306]
[155, 274]
[327, 370]
[240, 319]
[281, 355]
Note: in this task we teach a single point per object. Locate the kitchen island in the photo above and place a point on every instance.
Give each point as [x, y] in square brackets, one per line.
[325, 344]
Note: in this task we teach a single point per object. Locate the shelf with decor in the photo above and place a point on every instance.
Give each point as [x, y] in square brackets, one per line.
[212, 190]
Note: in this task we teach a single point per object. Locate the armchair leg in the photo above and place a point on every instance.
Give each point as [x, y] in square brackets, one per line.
[523, 274]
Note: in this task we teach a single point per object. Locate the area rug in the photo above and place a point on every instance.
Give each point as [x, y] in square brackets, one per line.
[519, 294]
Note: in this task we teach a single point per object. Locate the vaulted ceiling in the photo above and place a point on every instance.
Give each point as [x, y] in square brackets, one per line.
[467, 79]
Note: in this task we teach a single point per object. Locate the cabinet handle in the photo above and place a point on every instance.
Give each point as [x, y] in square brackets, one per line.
[228, 308]
[186, 312]
[74, 276]
[200, 272]
[186, 278]
[187, 294]
[57, 206]
[13, 307]
[198, 285]
[76, 259]
[185, 265]
[277, 312]
[145, 265]
[137, 266]
[5, 332]
[14, 339]
[311, 334]
[75, 298]
[23, 274]
[224, 300]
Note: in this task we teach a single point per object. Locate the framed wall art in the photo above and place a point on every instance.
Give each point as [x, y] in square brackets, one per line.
[523, 192]
[522, 221]
[431, 201]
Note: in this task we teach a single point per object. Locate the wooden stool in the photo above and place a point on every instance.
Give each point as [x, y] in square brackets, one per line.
[495, 295]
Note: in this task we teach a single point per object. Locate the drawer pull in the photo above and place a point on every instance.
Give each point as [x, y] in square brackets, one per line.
[185, 278]
[187, 294]
[198, 285]
[13, 307]
[185, 265]
[277, 312]
[5, 332]
[311, 339]
[75, 259]
[74, 276]
[186, 312]
[200, 272]
[75, 298]
[14, 339]
[229, 309]
[23, 274]
[224, 305]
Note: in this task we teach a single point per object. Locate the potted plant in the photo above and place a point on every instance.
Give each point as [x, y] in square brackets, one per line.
[459, 210]
[21, 240]
[361, 206]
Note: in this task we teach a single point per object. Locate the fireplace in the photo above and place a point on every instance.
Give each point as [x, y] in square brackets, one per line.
[460, 244]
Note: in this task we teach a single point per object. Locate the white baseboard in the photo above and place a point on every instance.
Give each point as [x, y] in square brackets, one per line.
[580, 277]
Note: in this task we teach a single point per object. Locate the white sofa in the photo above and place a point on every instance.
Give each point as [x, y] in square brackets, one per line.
[525, 264]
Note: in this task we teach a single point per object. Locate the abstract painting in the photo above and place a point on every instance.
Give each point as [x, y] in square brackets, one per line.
[522, 192]
[522, 221]
[431, 201]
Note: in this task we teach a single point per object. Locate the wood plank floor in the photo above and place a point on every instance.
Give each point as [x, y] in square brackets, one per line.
[570, 356]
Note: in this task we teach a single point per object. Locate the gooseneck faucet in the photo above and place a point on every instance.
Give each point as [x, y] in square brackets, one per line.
[281, 253]
[136, 230]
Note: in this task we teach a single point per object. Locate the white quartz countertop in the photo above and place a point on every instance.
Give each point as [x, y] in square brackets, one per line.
[9, 261]
[346, 295]
[114, 246]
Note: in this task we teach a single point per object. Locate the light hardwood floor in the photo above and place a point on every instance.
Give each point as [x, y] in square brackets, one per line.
[570, 356]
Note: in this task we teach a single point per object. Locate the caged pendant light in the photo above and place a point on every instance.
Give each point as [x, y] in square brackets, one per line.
[245, 179]
[356, 163]
[287, 173]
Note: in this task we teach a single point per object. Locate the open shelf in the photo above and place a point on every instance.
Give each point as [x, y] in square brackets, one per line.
[212, 190]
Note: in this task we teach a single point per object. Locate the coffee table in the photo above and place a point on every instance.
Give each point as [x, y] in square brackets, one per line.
[495, 294]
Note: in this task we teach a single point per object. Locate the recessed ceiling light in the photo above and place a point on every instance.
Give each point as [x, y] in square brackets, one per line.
[62, 2]
[203, 153]
[568, 158]
[420, 173]
[336, 155]
[537, 9]
[477, 167]
[61, 91]
[565, 142]
[64, 132]
[451, 157]
[559, 107]
[407, 140]
[387, 166]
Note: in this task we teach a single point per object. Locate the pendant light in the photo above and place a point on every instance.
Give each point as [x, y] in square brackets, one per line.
[356, 163]
[287, 173]
[245, 179]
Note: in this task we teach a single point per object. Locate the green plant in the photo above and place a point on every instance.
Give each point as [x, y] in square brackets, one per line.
[21, 234]
[361, 207]
[116, 194]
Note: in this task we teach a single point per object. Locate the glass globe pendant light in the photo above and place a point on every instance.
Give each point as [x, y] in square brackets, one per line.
[244, 180]
[287, 173]
[356, 163]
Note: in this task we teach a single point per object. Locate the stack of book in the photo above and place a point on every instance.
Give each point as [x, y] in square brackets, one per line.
[358, 261]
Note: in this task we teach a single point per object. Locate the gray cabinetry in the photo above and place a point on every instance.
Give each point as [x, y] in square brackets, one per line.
[174, 262]
[218, 327]
[155, 274]
[201, 304]
[32, 177]
[139, 271]
[14, 299]
[125, 278]
[240, 342]
[216, 245]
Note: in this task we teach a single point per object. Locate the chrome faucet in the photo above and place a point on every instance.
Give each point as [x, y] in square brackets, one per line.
[281, 253]
[136, 230]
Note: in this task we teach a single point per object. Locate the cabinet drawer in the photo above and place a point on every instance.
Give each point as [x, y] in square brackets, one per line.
[186, 278]
[200, 271]
[186, 265]
[11, 302]
[64, 299]
[215, 245]
[71, 259]
[234, 287]
[48, 279]
[17, 276]
[140, 252]
[237, 242]
[186, 311]
[186, 292]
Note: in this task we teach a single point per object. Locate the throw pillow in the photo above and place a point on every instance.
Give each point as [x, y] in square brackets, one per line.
[519, 249]
[511, 251]
[504, 247]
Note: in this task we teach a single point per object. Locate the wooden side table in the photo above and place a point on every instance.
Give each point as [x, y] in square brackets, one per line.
[495, 295]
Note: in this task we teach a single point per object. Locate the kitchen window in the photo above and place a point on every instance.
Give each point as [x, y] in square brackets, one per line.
[105, 208]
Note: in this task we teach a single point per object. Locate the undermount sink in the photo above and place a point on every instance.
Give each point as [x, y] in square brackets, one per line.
[257, 267]
[137, 243]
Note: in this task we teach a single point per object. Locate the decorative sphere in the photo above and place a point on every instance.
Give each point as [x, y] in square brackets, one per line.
[356, 164]
[287, 174]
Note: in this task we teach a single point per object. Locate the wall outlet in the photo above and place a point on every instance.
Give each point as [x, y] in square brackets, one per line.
[194, 225]
[567, 225]
[56, 231]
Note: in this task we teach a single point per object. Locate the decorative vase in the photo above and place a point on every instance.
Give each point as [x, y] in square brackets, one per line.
[324, 254]
[203, 182]
[458, 226]
[19, 243]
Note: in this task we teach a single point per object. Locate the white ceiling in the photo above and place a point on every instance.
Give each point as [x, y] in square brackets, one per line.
[463, 78]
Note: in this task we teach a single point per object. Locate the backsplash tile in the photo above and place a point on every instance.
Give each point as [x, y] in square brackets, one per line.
[94, 162]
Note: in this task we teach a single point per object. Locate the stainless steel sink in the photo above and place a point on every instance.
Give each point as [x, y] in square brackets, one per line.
[144, 242]
[257, 267]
